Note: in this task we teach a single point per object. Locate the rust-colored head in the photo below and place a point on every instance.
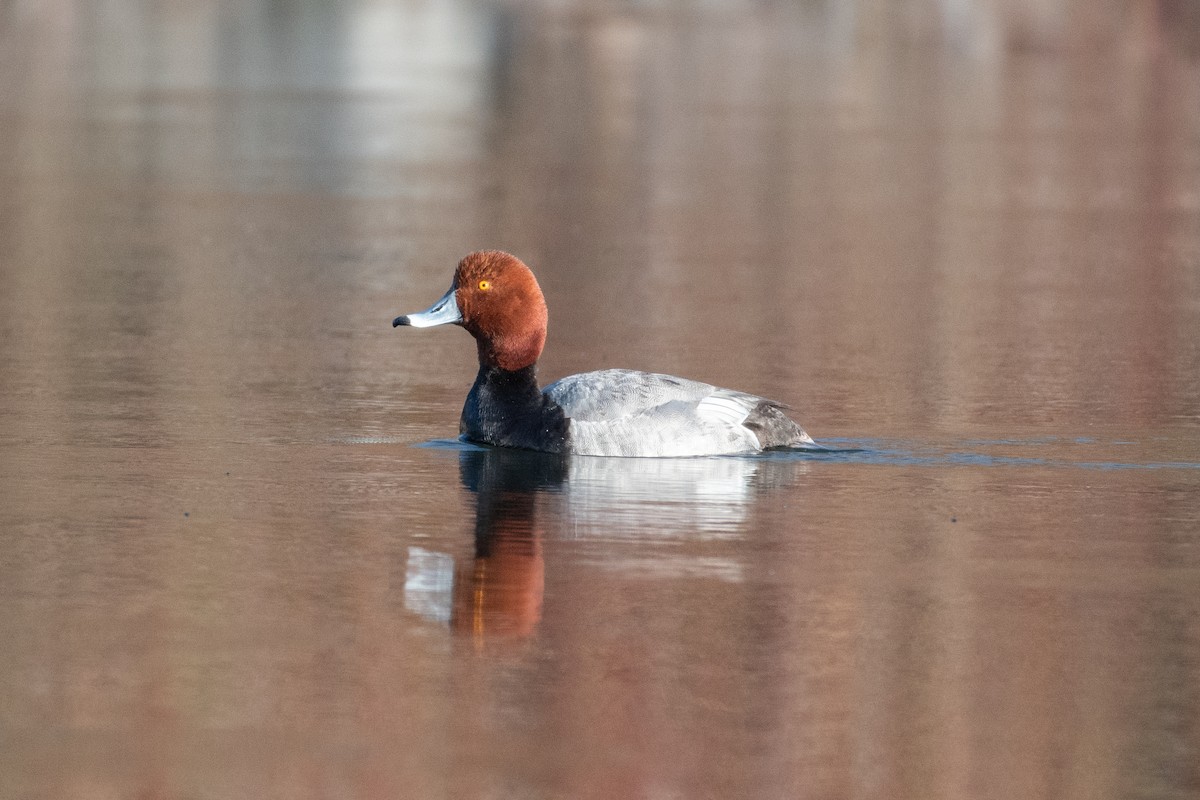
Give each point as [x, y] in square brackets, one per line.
[497, 299]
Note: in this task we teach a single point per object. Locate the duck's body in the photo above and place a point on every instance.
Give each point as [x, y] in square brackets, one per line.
[612, 412]
[627, 413]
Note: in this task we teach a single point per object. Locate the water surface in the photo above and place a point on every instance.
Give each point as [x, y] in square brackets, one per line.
[243, 556]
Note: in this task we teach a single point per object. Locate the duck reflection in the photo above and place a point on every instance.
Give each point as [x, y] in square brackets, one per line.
[633, 505]
[499, 592]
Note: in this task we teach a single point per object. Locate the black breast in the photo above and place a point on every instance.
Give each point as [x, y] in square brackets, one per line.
[506, 409]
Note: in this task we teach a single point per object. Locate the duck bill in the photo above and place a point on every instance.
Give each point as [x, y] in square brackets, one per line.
[443, 312]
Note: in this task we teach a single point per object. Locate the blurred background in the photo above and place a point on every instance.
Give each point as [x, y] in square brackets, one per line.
[965, 233]
[994, 204]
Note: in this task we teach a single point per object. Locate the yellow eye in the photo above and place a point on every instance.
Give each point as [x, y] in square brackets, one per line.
[485, 285]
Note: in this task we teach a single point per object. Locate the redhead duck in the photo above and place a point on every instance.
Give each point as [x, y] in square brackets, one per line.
[611, 412]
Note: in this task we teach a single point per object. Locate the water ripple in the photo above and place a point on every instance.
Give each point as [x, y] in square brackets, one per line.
[975, 453]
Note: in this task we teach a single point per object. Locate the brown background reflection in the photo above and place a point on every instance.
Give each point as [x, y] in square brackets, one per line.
[963, 237]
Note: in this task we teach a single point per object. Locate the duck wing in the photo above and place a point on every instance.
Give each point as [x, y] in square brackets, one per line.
[617, 393]
[630, 413]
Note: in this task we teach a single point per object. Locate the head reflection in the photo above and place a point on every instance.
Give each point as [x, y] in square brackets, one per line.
[498, 593]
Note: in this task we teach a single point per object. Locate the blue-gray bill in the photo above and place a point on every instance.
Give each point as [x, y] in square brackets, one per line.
[444, 312]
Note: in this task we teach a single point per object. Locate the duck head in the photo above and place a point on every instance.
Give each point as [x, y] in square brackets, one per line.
[497, 299]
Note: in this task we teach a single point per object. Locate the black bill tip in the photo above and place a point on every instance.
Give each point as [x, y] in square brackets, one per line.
[398, 321]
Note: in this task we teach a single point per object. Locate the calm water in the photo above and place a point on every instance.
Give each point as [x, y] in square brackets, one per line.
[241, 554]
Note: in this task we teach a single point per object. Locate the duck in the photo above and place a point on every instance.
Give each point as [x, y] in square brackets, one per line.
[608, 412]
